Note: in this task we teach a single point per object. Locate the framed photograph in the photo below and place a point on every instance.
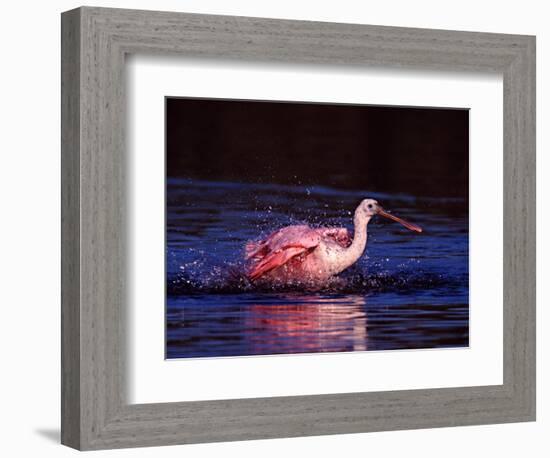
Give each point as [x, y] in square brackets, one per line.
[279, 228]
[267, 222]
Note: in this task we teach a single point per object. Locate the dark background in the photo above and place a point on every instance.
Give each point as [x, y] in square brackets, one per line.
[417, 151]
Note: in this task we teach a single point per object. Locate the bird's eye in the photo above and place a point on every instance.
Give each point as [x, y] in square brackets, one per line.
[369, 205]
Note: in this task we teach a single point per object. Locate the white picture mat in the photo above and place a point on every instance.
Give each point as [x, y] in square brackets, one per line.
[154, 379]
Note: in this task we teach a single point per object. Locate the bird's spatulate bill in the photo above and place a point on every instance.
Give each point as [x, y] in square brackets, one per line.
[410, 226]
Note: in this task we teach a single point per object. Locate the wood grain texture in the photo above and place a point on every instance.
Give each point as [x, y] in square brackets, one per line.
[96, 413]
[70, 229]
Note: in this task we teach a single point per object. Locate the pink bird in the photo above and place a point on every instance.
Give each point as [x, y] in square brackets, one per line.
[304, 254]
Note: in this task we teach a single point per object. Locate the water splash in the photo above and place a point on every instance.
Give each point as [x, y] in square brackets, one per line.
[231, 279]
[208, 224]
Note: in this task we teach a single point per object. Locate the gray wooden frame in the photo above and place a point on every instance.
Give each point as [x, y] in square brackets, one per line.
[95, 413]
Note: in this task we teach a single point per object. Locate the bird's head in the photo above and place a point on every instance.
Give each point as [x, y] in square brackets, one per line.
[371, 207]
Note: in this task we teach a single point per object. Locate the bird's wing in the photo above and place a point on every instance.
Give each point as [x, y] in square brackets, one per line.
[255, 249]
[340, 235]
[279, 248]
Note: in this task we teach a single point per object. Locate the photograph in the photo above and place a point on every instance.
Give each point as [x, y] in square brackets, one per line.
[307, 228]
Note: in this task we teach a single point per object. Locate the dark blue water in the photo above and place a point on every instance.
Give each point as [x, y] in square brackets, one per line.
[409, 291]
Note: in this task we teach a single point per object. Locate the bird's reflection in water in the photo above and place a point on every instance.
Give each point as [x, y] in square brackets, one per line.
[272, 324]
[307, 324]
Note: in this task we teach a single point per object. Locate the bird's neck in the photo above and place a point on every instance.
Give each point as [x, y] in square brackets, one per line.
[351, 254]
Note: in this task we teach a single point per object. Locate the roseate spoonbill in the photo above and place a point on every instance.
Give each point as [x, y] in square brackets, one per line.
[311, 255]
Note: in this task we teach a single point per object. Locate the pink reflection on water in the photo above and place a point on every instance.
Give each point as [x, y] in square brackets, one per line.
[308, 324]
